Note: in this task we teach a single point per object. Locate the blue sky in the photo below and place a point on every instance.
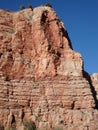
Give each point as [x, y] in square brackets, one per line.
[80, 18]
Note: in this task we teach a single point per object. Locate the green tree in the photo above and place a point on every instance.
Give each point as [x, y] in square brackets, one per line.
[48, 4]
[22, 7]
[29, 125]
[30, 6]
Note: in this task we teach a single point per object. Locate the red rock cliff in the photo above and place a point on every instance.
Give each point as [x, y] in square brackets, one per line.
[34, 44]
[41, 77]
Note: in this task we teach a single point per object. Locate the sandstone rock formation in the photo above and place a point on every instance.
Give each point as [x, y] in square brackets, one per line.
[94, 80]
[41, 77]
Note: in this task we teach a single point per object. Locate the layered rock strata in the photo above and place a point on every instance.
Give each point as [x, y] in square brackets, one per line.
[94, 80]
[41, 78]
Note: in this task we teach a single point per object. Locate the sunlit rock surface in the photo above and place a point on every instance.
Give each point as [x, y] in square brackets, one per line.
[41, 77]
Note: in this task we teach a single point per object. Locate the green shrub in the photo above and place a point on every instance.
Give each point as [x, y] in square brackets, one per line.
[30, 6]
[48, 4]
[22, 7]
[58, 129]
[29, 125]
[7, 10]
[11, 128]
[12, 30]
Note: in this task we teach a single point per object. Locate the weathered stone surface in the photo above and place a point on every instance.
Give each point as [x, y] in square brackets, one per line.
[34, 44]
[94, 79]
[41, 77]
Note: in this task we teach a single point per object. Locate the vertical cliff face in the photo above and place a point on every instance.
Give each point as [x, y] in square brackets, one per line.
[94, 80]
[41, 76]
[35, 44]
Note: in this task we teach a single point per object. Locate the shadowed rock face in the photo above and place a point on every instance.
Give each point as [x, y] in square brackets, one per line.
[41, 77]
[94, 79]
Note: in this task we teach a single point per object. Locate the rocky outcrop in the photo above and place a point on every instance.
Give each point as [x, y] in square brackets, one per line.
[42, 79]
[34, 44]
[50, 103]
[94, 79]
